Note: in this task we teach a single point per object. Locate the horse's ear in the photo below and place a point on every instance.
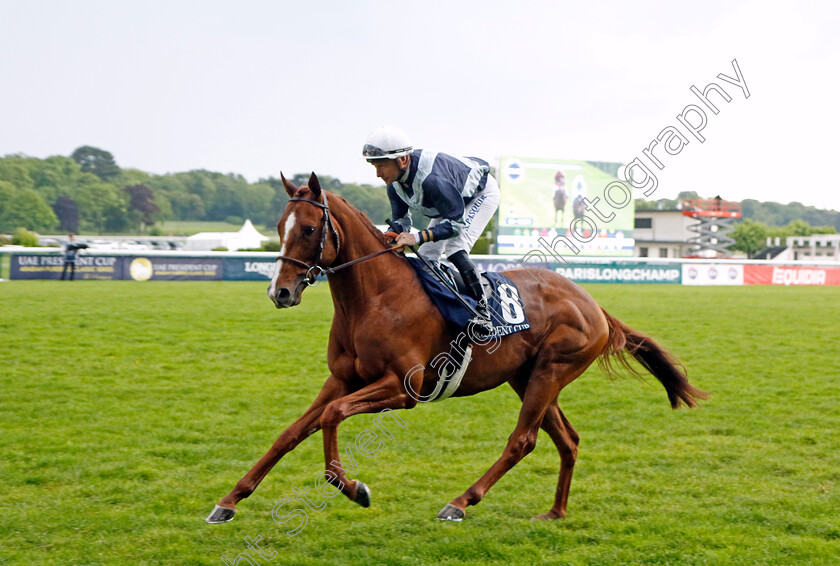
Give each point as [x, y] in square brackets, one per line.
[314, 186]
[290, 187]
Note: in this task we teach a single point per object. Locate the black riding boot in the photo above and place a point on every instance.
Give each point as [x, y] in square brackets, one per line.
[481, 324]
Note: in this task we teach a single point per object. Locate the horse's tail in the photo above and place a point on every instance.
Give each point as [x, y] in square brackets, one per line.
[664, 366]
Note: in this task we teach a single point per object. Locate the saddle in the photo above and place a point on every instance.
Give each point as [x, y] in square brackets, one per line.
[505, 307]
[454, 278]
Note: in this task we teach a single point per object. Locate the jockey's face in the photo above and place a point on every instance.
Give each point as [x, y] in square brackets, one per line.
[389, 170]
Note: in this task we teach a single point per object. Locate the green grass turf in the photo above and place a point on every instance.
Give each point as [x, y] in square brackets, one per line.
[128, 409]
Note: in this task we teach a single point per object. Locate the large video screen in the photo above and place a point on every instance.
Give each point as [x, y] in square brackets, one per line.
[545, 200]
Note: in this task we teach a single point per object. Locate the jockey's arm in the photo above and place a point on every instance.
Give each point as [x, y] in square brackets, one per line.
[444, 230]
[441, 231]
[399, 211]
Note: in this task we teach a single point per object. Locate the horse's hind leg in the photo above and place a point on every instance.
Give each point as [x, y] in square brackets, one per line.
[566, 439]
[542, 389]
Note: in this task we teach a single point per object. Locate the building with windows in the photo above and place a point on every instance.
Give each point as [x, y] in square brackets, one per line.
[666, 234]
[819, 247]
[662, 233]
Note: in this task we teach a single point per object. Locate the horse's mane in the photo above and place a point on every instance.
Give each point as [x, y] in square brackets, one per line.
[305, 192]
[363, 218]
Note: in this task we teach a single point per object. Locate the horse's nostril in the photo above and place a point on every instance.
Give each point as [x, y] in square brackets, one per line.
[283, 295]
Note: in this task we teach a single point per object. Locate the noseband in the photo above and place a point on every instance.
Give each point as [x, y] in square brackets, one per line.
[314, 270]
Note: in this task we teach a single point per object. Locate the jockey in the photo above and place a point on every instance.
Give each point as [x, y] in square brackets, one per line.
[457, 193]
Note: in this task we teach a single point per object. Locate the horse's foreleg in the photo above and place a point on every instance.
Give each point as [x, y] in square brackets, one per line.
[304, 426]
[385, 393]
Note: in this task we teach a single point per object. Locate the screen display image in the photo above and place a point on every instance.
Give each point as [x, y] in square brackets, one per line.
[543, 199]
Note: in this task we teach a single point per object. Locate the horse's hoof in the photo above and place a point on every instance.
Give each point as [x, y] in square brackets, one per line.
[450, 513]
[220, 515]
[548, 516]
[362, 494]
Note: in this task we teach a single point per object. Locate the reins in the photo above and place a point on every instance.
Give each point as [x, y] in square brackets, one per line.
[314, 270]
[329, 270]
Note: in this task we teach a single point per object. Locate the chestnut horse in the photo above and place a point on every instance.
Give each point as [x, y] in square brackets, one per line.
[385, 330]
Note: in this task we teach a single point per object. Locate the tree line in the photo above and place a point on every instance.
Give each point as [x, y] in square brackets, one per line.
[88, 192]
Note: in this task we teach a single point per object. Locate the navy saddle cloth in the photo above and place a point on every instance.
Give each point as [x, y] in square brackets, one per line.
[506, 309]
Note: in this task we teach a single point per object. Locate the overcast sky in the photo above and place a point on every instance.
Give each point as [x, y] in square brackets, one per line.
[256, 87]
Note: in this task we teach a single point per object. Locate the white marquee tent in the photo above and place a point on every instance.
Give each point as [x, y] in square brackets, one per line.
[246, 238]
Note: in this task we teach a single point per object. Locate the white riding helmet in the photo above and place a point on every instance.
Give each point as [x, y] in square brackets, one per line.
[386, 142]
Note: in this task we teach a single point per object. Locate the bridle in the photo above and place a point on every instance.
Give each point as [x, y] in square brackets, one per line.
[314, 270]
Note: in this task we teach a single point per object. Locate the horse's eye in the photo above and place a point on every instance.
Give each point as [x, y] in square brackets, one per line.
[308, 230]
